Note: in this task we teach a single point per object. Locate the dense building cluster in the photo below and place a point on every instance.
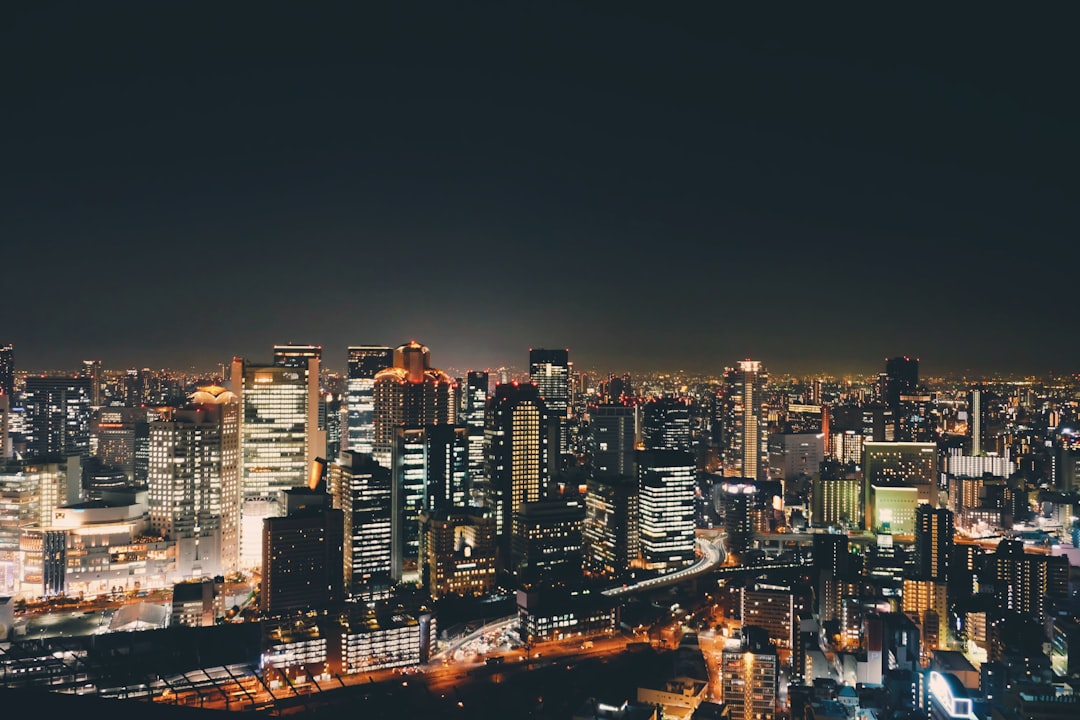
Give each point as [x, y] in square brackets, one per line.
[890, 544]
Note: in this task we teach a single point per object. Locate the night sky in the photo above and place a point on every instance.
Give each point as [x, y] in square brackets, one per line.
[656, 186]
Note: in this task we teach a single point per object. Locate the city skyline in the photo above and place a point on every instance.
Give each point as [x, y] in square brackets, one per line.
[654, 189]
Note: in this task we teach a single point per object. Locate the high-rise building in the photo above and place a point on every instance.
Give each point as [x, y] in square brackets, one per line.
[745, 451]
[120, 437]
[836, 501]
[476, 400]
[1022, 581]
[297, 356]
[5, 419]
[279, 439]
[429, 469]
[933, 542]
[303, 554]
[611, 533]
[976, 418]
[29, 493]
[194, 482]
[410, 394]
[92, 370]
[901, 378]
[364, 362]
[666, 491]
[794, 455]
[914, 464]
[547, 542]
[361, 489]
[612, 428]
[57, 416]
[458, 554]
[7, 370]
[745, 506]
[665, 424]
[831, 554]
[519, 442]
[749, 674]
[550, 370]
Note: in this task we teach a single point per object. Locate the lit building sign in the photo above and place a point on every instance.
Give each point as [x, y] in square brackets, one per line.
[945, 693]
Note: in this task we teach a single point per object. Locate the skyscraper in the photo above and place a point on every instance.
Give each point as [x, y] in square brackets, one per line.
[666, 501]
[519, 440]
[749, 673]
[901, 378]
[933, 542]
[410, 394]
[193, 482]
[665, 424]
[57, 415]
[612, 430]
[92, 369]
[361, 489]
[476, 399]
[363, 364]
[303, 554]
[611, 533]
[550, 370]
[279, 437]
[911, 464]
[744, 430]
[7, 370]
[297, 356]
[429, 468]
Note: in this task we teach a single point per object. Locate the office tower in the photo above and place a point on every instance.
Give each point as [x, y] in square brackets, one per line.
[774, 608]
[410, 394]
[745, 450]
[749, 674]
[611, 533]
[519, 440]
[429, 468]
[745, 507]
[330, 420]
[795, 455]
[925, 601]
[5, 438]
[120, 437]
[7, 370]
[476, 399]
[901, 378]
[550, 370]
[135, 390]
[458, 554]
[666, 500]
[92, 370]
[836, 501]
[612, 430]
[914, 464]
[547, 542]
[976, 418]
[965, 564]
[665, 424]
[57, 416]
[29, 493]
[297, 356]
[933, 542]
[279, 439]
[364, 362]
[1022, 581]
[361, 489]
[831, 554]
[194, 482]
[303, 554]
